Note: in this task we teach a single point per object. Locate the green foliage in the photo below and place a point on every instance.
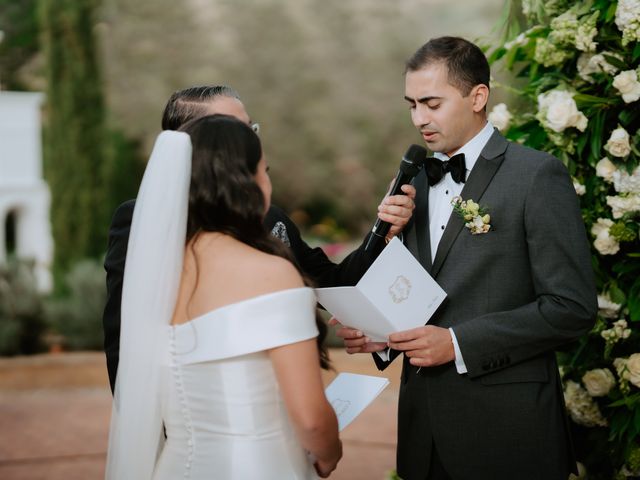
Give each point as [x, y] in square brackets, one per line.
[19, 23]
[122, 172]
[576, 103]
[75, 133]
[21, 310]
[78, 315]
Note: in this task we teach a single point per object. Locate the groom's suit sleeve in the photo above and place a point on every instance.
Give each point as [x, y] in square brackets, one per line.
[565, 304]
[114, 266]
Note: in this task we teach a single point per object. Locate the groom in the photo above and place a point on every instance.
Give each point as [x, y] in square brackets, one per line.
[480, 394]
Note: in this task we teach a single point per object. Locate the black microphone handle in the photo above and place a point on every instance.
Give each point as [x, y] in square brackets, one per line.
[411, 163]
[381, 228]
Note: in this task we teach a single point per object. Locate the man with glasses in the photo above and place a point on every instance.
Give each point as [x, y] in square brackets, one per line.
[195, 102]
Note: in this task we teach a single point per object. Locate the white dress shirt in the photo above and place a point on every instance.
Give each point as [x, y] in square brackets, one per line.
[440, 207]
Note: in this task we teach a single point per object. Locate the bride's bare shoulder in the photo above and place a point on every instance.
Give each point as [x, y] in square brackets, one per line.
[258, 270]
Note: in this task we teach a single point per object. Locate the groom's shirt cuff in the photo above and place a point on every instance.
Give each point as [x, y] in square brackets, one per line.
[460, 366]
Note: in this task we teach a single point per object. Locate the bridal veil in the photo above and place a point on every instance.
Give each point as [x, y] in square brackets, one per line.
[151, 280]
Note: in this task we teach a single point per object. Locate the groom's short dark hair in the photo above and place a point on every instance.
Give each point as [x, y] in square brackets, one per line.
[467, 66]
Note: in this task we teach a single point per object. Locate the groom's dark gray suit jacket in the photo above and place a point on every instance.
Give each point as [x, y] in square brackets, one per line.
[514, 294]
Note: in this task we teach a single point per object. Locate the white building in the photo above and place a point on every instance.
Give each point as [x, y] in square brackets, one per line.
[25, 228]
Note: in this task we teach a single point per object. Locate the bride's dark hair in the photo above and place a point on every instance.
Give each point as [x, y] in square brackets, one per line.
[224, 196]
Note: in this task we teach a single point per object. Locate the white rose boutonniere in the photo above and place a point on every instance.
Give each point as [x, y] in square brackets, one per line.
[476, 218]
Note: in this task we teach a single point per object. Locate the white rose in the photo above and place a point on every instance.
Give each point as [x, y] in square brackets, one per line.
[579, 188]
[559, 111]
[601, 225]
[581, 407]
[618, 143]
[607, 308]
[627, 84]
[606, 244]
[605, 169]
[599, 381]
[500, 117]
[625, 183]
[633, 368]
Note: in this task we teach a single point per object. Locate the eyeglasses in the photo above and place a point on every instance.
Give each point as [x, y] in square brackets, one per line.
[255, 126]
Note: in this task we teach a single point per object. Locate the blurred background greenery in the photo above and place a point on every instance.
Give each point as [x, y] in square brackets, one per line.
[323, 78]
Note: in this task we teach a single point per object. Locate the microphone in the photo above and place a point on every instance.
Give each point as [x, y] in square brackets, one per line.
[411, 163]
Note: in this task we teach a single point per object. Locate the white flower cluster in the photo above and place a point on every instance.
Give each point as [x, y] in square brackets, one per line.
[629, 368]
[579, 187]
[581, 407]
[585, 34]
[500, 117]
[563, 28]
[599, 381]
[606, 307]
[623, 182]
[628, 20]
[568, 30]
[549, 54]
[475, 217]
[534, 9]
[618, 331]
[626, 184]
[557, 110]
[605, 243]
[589, 64]
[627, 84]
[625, 203]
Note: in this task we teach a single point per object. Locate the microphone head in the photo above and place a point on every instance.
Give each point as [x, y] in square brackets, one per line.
[413, 160]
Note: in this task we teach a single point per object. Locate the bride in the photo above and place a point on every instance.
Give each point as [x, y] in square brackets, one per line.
[220, 340]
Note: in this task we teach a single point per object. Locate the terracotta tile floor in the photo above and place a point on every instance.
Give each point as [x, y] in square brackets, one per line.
[55, 409]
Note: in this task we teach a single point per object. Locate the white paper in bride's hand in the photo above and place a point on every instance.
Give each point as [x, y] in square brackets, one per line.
[350, 393]
[395, 294]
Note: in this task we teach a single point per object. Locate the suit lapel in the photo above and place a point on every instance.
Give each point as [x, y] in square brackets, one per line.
[483, 171]
[421, 220]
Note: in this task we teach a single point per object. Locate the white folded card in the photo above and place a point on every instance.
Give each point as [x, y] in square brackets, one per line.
[349, 394]
[395, 294]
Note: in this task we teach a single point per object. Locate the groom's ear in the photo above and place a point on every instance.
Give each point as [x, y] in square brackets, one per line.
[479, 97]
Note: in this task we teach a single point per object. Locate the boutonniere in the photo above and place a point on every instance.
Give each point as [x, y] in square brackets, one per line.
[476, 218]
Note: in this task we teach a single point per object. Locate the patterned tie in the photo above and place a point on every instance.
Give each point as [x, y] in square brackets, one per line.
[436, 169]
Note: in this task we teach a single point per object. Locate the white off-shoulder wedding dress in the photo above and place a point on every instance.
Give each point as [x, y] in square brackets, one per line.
[222, 409]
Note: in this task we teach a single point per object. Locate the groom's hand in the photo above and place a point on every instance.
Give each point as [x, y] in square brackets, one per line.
[426, 346]
[355, 341]
[397, 209]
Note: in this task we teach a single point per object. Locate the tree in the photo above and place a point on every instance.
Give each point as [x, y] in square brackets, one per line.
[75, 156]
[19, 27]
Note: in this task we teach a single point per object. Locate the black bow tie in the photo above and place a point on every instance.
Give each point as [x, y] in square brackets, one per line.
[436, 169]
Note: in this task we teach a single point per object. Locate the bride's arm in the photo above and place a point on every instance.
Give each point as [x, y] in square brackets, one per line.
[298, 372]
